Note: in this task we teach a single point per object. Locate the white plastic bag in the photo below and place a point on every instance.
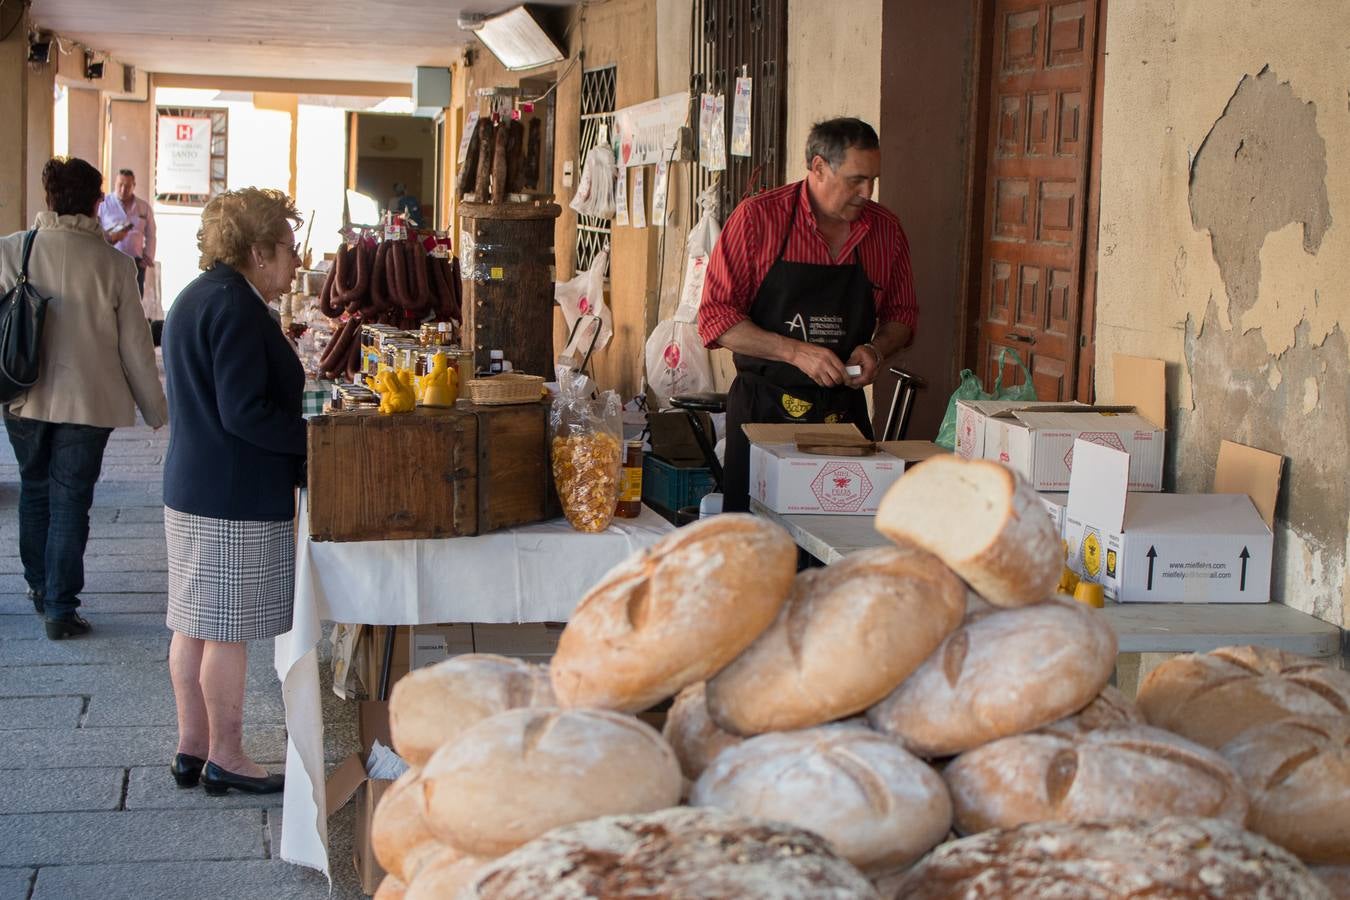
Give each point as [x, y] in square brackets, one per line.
[585, 295]
[677, 362]
[595, 189]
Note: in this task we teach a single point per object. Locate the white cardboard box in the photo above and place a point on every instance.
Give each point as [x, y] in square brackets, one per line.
[1055, 504]
[1039, 443]
[1163, 548]
[973, 415]
[787, 480]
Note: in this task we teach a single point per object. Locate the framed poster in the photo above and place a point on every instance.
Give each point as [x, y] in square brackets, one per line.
[189, 154]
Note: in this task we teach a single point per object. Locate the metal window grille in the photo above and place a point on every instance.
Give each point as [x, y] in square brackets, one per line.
[597, 110]
[743, 37]
[220, 130]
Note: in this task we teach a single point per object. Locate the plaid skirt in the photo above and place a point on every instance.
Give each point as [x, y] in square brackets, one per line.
[229, 580]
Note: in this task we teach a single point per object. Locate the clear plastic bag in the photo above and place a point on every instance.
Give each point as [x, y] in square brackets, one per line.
[595, 190]
[587, 450]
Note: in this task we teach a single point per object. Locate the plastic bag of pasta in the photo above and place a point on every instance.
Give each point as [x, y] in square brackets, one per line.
[587, 450]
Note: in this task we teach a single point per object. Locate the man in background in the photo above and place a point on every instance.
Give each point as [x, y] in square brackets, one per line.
[129, 224]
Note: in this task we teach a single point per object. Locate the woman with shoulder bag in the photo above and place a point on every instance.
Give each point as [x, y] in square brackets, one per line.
[235, 457]
[96, 367]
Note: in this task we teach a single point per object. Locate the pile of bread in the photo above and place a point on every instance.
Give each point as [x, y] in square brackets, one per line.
[831, 728]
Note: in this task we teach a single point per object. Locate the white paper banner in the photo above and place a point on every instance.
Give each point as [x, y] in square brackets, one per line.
[639, 204]
[659, 194]
[740, 118]
[183, 162]
[647, 130]
[621, 197]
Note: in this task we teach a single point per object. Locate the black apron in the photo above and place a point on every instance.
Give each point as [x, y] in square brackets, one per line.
[829, 305]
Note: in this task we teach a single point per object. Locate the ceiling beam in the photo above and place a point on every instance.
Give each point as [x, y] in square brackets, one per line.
[285, 85]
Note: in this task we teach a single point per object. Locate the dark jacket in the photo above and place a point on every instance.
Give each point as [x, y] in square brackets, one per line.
[235, 386]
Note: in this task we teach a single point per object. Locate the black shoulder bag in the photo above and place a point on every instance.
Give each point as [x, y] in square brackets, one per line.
[21, 314]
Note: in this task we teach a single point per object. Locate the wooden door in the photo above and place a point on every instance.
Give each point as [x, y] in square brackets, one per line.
[1042, 66]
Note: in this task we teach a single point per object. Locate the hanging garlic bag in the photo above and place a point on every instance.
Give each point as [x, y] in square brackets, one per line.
[595, 190]
[586, 450]
[677, 361]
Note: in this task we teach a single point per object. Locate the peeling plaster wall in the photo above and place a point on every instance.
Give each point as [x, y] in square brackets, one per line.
[1225, 249]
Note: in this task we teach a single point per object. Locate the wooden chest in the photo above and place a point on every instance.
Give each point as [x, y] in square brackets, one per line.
[432, 473]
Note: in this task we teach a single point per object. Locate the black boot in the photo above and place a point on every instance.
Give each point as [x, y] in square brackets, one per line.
[70, 625]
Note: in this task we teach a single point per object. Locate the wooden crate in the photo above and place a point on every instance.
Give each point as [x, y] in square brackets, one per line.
[510, 307]
[432, 473]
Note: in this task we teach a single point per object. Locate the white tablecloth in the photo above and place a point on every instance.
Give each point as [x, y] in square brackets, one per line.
[536, 573]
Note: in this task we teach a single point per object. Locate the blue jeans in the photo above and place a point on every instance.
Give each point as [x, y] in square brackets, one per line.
[58, 465]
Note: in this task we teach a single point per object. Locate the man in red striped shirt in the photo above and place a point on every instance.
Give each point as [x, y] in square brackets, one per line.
[810, 287]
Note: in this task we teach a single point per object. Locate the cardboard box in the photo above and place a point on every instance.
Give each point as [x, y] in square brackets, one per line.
[415, 646]
[1163, 548]
[672, 437]
[973, 415]
[532, 641]
[1055, 504]
[788, 480]
[349, 782]
[1039, 443]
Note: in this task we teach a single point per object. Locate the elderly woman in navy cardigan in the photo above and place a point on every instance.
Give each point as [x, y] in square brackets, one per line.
[235, 456]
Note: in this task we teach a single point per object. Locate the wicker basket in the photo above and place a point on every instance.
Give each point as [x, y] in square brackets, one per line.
[500, 390]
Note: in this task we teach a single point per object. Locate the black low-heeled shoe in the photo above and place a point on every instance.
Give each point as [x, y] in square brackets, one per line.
[216, 781]
[68, 625]
[186, 769]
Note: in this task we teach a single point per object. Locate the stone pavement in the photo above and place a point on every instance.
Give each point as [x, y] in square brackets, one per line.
[87, 728]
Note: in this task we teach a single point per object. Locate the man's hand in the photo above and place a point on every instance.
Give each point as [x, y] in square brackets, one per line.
[866, 358]
[818, 363]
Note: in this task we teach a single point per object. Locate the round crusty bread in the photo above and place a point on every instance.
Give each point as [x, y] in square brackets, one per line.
[980, 519]
[675, 853]
[444, 876]
[515, 775]
[692, 734]
[1109, 709]
[1298, 774]
[674, 614]
[390, 888]
[1213, 697]
[398, 836]
[847, 635]
[1174, 858]
[1336, 878]
[1114, 774]
[1000, 674]
[429, 706]
[878, 806]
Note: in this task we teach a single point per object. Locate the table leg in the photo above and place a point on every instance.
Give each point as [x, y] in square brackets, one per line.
[390, 631]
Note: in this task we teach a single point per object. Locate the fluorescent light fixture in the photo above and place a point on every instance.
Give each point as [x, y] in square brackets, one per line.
[518, 40]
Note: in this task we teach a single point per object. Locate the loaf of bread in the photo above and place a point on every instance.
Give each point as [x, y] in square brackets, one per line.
[674, 614]
[675, 853]
[515, 775]
[1336, 878]
[391, 888]
[1298, 774]
[847, 635]
[1213, 697]
[691, 733]
[1109, 709]
[878, 806]
[983, 521]
[444, 876]
[1000, 674]
[1132, 772]
[398, 836]
[1175, 858]
[429, 706]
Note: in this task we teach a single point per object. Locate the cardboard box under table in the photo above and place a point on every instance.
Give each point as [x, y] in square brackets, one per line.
[1163, 548]
[788, 479]
[350, 782]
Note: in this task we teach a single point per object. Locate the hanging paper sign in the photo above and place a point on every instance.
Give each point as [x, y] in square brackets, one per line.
[639, 210]
[740, 118]
[659, 194]
[712, 133]
[648, 129]
[183, 163]
[469, 125]
[621, 196]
